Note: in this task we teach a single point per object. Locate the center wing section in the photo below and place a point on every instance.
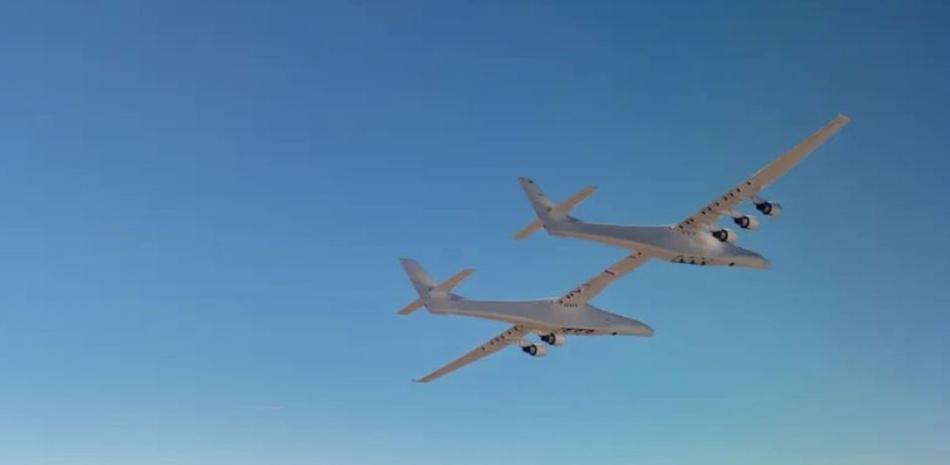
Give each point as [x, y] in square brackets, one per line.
[513, 335]
[749, 188]
[581, 294]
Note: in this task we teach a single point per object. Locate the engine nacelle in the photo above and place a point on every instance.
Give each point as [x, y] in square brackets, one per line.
[746, 222]
[554, 339]
[769, 208]
[535, 350]
[725, 235]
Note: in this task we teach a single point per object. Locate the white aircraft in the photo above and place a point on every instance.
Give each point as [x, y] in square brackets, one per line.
[696, 240]
[552, 319]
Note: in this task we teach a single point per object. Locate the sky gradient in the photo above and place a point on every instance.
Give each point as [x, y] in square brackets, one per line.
[204, 204]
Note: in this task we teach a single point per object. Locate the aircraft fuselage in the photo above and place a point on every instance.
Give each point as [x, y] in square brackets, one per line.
[665, 242]
[544, 316]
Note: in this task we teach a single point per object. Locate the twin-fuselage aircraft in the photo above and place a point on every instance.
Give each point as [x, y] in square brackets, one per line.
[697, 240]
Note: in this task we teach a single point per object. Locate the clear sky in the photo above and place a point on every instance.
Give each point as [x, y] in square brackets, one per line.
[203, 206]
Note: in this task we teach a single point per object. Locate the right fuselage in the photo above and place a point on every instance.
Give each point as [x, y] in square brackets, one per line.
[664, 242]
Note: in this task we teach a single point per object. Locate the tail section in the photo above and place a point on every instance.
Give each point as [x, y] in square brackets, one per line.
[548, 213]
[426, 287]
[420, 279]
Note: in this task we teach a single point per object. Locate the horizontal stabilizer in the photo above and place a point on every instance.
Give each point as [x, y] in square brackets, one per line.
[450, 283]
[573, 201]
[413, 306]
[529, 229]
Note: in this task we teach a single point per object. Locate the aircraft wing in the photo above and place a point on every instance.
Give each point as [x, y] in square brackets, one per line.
[595, 285]
[511, 336]
[749, 188]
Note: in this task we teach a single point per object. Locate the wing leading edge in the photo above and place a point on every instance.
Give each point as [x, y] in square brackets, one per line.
[581, 294]
[511, 336]
[749, 188]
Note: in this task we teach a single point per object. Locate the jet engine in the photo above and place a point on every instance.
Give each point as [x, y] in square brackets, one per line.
[554, 339]
[535, 350]
[746, 222]
[725, 235]
[768, 208]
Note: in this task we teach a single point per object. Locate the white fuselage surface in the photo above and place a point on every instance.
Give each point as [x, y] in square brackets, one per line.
[543, 316]
[664, 242]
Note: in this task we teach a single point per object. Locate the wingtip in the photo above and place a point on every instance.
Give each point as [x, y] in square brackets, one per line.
[843, 118]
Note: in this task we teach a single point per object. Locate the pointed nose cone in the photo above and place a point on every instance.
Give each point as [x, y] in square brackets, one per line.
[759, 262]
[638, 328]
[750, 259]
[645, 331]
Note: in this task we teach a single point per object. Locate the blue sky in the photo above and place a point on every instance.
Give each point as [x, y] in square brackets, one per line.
[203, 207]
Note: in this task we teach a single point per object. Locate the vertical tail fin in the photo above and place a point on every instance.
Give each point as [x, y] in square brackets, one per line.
[420, 279]
[426, 287]
[546, 210]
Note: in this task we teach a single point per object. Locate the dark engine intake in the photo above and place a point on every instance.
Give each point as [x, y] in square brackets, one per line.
[746, 222]
[768, 208]
[535, 350]
[725, 235]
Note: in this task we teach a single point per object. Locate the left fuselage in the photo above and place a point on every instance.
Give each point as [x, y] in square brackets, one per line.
[664, 242]
[544, 315]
